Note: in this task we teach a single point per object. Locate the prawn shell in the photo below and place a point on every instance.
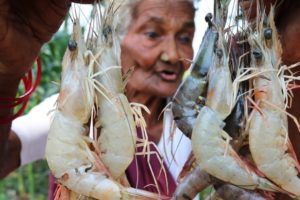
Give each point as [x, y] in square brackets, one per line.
[268, 126]
[71, 154]
[220, 94]
[268, 148]
[185, 107]
[117, 140]
[209, 145]
[60, 148]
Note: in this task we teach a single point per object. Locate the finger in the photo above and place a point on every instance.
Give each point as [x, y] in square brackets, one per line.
[44, 17]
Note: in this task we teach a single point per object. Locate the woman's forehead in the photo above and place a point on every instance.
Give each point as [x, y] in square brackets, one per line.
[165, 9]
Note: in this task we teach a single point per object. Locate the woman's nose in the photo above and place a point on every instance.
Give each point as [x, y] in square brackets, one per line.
[171, 52]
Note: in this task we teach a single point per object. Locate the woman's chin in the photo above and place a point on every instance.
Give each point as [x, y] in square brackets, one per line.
[165, 90]
[153, 87]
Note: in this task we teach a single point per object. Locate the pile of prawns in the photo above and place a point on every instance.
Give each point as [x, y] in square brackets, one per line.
[93, 138]
[90, 165]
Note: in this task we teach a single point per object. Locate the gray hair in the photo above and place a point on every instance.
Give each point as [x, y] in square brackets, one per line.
[127, 11]
[132, 4]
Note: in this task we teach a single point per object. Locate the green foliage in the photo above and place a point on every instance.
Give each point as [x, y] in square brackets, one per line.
[205, 194]
[31, 181]
[27, 183]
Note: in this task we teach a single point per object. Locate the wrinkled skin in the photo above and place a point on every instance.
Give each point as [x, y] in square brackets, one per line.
[25, 28]
[160, 28]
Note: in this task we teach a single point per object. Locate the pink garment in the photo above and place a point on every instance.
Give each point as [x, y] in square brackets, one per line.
[139, 174]
[52, 186]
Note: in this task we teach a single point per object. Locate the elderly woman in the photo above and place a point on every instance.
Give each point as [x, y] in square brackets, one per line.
[157, 44]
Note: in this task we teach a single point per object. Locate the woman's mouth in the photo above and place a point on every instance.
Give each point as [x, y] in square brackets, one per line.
[168, 75]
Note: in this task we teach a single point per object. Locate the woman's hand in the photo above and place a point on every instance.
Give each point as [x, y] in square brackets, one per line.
[25, 25]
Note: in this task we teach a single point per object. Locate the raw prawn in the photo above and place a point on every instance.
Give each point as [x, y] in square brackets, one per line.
[210, 142]
[186, 104]
[268, 132]
[70, 154]
[118, 119]
[218, 158]
[198, 179]
[117, 140]
[188, 98]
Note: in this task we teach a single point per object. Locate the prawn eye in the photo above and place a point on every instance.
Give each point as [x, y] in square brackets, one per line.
[72, 45]
[208, 18]
[257, 54]
[219, 53]
[268, 33]
[106, 31]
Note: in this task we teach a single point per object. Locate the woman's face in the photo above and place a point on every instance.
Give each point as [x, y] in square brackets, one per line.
[159, 46]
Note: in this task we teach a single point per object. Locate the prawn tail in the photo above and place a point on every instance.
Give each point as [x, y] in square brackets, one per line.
[266, 185]
[228, 191]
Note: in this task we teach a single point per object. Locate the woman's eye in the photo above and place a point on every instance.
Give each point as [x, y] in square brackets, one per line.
[151, 34]
[185, 39]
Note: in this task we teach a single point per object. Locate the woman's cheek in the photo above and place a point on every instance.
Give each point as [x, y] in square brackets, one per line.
[145, 58]
[128, 52]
